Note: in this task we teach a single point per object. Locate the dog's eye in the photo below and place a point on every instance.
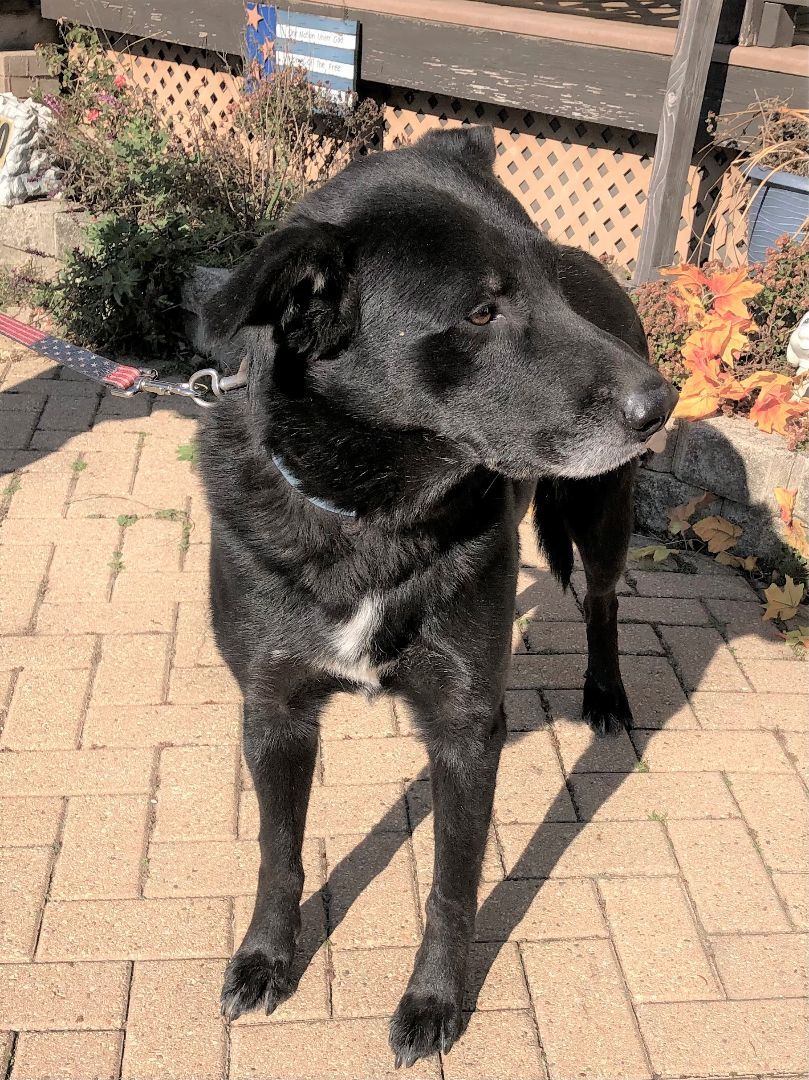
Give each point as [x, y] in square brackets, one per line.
[483, 315]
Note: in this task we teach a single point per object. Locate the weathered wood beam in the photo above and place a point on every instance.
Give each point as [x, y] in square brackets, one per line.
[682, 106]
[751, 22]
[769, 23]
[777, 26]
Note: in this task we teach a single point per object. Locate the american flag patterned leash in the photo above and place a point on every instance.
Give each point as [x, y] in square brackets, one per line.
[203, 387]
[98, 368]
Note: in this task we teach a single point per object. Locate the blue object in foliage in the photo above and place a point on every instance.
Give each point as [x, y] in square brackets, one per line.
[781, 205]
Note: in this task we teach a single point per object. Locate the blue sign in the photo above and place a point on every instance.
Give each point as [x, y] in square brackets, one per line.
[326, 48]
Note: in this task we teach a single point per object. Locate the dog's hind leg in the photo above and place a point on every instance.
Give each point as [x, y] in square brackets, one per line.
[464, 750]
[598, 514]
[280, 746]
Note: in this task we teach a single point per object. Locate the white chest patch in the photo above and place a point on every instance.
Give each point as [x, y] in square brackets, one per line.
[350, 643]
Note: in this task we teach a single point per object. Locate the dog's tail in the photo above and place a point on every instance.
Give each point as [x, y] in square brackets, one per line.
[551, 529]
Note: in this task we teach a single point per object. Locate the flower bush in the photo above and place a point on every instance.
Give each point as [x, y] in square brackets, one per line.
[165, 201]
[721, 336]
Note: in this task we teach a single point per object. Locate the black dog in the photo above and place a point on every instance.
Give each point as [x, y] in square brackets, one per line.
[422, 362]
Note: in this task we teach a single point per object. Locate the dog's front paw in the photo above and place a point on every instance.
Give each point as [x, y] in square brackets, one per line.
[253, 980]
[422, 1025]
[605, 709]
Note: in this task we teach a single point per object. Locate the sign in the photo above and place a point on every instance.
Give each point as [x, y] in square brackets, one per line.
[326, 48]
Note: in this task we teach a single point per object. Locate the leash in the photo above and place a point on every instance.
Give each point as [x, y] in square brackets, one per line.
[204, 387]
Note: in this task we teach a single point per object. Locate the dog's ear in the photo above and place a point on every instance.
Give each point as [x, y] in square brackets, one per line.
[473, 143]
[297, 282]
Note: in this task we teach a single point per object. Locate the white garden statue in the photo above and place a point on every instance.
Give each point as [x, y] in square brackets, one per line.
[25, 169]
[798, 356]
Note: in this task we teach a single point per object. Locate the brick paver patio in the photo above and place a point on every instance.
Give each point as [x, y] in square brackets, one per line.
[645, 903]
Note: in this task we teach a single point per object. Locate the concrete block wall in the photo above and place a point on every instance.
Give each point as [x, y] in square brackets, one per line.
[733, 460]
[42, 232]
[22, 71]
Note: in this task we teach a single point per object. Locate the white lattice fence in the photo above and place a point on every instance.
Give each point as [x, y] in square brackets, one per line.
[183, 80]
[584, 184]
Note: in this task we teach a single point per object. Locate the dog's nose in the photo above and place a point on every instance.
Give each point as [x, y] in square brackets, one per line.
[647, 410]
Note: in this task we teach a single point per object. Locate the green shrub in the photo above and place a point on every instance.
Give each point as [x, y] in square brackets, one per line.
[666, 328]
[164, 200]
[781, 304]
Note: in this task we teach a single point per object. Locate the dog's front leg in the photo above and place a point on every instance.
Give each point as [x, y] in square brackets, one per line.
[598, 514]
[463, 769]
[280, 746]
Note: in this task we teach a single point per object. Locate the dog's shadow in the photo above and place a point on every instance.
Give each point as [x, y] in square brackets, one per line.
[509, 899]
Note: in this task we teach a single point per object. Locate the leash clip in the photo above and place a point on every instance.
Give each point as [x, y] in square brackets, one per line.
[205, 387]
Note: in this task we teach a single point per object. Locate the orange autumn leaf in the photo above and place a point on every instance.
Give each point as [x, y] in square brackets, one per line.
[702, 351]
[730, 290]
[797, 538]
[785, 497]
[774, 407]
[719, 533]
[685, 276]
[772, 414]
[727, 335]
[731, 389]
[794, 530]
[703, 391]
[699, 358]
[699, 398]
[717, 340]
[689, 284]
[761, 379]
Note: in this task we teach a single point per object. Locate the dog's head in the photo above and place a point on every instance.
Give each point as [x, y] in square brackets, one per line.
[413, 292]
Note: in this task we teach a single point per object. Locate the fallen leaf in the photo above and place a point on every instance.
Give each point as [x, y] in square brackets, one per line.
[749, 562]
[783, 603]
[655, 552]
[785, 497]
[719, 533]
[680, 516]
[797, 538]
[800, 636]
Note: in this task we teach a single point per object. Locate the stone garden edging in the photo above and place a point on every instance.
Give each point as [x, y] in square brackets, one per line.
[42, 233]
[735, 461]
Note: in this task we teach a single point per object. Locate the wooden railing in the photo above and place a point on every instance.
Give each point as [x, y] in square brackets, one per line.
[769, 23]
[543, 57]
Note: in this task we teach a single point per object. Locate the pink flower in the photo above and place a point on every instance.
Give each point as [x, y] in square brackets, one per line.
[120, 81]
[91, 116]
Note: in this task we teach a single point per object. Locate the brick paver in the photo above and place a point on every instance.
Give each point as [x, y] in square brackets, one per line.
[645, 900]
[585, 1019]
[67, 1055]
[173, 1028]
